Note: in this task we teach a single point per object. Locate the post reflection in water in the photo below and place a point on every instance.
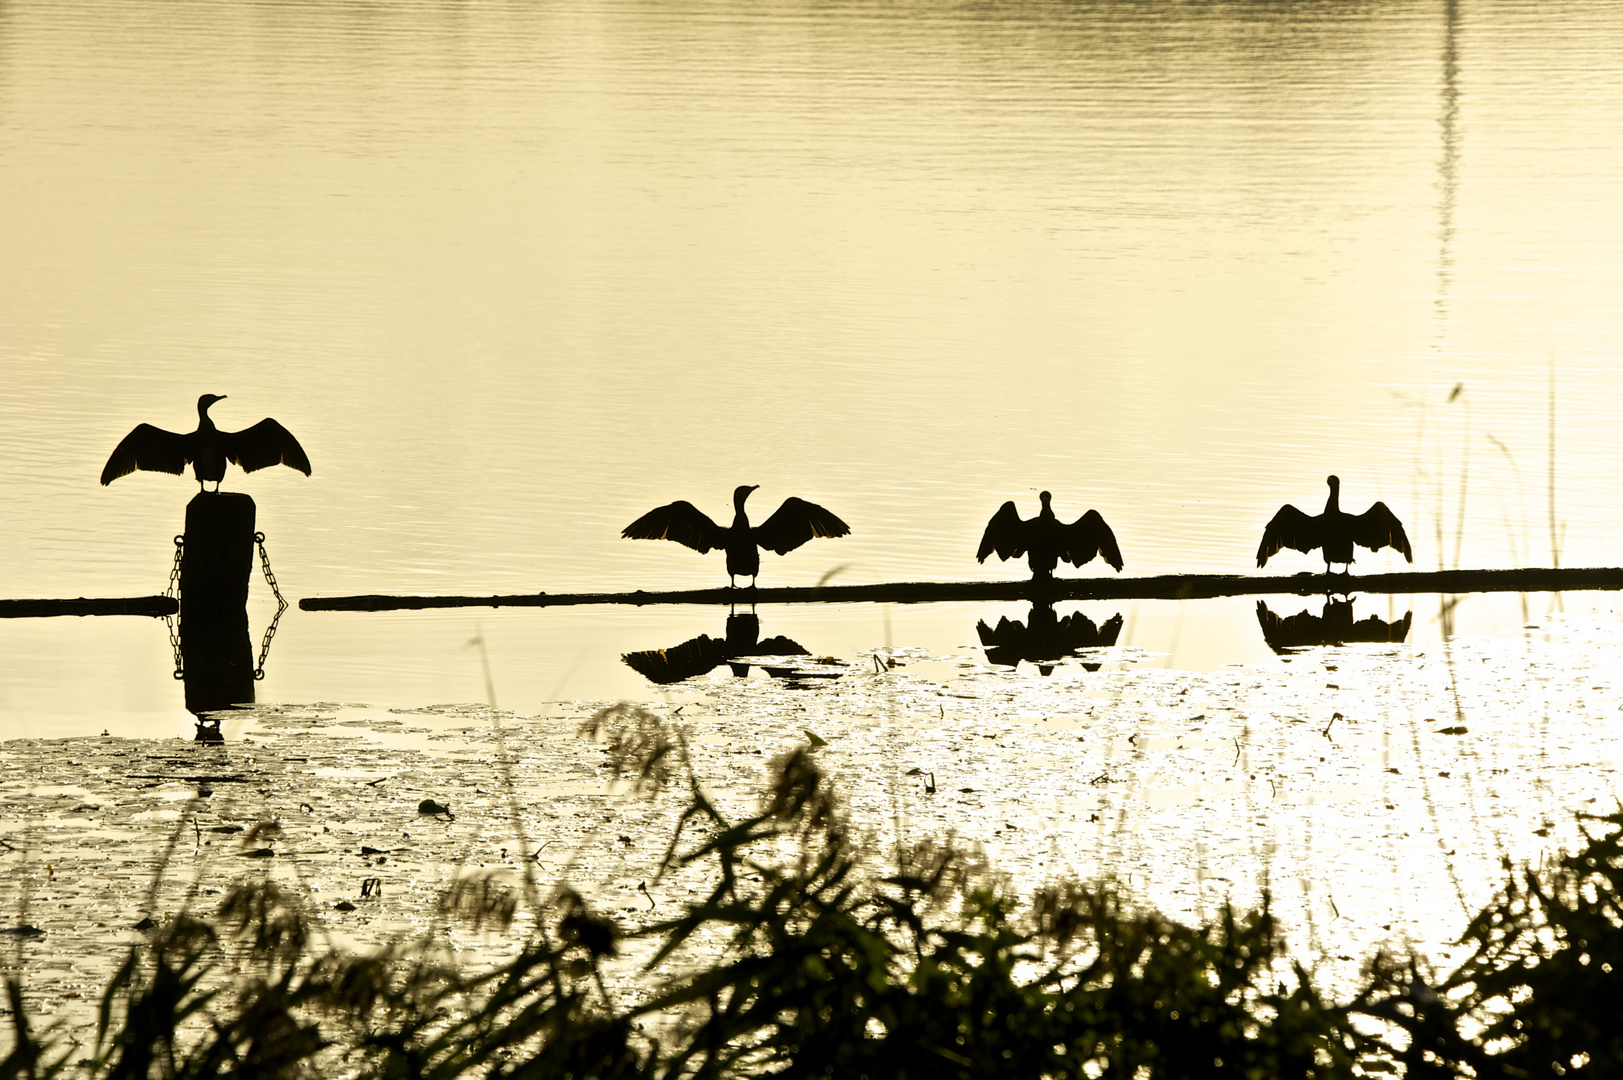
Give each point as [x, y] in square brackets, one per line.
[702, 654]
[215, 656]
[1335, 626]
[1044, 638]
[217, 669]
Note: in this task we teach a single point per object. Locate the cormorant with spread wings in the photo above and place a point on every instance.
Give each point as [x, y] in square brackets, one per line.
[794, 523]
[206, 450]
[1335, 531]
[1045, 539]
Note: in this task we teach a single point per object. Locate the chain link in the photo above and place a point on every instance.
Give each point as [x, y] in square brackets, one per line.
[174, 591]
[281, 606]
[172, 620]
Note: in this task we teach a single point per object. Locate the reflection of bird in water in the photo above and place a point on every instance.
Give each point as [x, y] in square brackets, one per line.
[794, 523]
[1045, 638]
[699, 655]
[1334, 627]
[1334, 530]
[1045, 539]
[207, 449]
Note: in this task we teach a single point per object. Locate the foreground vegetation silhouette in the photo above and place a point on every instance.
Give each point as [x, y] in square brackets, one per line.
[804, 959]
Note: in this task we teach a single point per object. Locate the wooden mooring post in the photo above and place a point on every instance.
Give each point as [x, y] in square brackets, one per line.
[216, 562]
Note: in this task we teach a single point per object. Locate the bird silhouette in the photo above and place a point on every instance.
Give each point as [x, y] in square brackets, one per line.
[699, 655]
[794, 523]
[1045, 539]
[1336, 626]
[1044, 638]
[206, 450]
[1335, 531]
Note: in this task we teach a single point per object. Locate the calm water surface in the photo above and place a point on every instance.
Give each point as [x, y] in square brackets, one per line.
[516, 273]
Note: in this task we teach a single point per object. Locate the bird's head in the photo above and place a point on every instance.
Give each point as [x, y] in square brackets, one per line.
[205, 401]
[742, 492]
[1334, 482]
[1045, 497]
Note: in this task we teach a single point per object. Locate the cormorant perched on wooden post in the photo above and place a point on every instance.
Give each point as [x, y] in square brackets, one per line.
[1045, 539]
[794, 523]
[207, 449]
[1334, 530]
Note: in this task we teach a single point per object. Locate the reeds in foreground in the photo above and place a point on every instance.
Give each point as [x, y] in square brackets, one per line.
[803, 959]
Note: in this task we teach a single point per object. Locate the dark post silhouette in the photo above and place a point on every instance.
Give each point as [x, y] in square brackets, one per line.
[216, 562]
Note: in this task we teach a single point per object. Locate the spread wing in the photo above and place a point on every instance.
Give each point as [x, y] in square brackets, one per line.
[1290, 528]
[795, 522]
[693, 657]
[1289, 632]
[1006, 631]
[680, 521]
[150, 449]
[778, 645]
[1078, 631]
[1378, 527]
[1005, 534]
[265, 444]
[1377, 629]
[1088, 536]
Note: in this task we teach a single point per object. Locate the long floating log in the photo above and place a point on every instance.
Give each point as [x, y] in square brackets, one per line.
[1162, 587]
[121, 605]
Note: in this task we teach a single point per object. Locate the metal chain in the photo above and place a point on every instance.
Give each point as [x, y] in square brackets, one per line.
[170, 620]
[281, 606]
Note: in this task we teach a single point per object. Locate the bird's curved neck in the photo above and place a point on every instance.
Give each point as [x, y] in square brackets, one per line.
[1332, 505]
[203, 421]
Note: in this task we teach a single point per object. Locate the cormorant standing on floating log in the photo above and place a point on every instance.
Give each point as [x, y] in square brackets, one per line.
[794, 523]
[1335, 530]
[1045, 539]
[207, 449]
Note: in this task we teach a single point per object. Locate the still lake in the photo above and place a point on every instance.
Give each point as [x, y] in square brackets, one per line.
[515, 273]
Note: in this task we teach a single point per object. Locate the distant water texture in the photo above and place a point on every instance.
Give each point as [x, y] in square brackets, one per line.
[516, 273]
